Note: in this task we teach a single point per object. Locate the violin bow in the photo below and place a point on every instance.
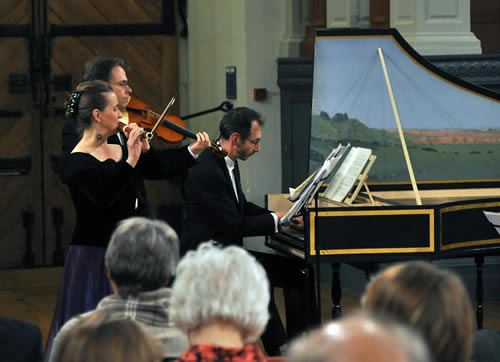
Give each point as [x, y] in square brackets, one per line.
[150, 134]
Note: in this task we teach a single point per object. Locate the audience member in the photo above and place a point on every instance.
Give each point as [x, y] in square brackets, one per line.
[431, 300]
[360, 338]
[20, 341]
[220, 299]
[486, 345]
[100, 338]
[140, 259]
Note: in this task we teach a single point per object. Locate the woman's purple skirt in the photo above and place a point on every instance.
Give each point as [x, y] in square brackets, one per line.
[84, 283]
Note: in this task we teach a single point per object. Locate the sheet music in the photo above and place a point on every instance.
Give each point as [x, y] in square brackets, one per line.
[344, 179]
[296, 193]
[310, 189]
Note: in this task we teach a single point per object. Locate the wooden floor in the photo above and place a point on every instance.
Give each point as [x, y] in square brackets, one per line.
[30, 294]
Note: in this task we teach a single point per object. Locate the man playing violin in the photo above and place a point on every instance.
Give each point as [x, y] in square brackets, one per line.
[216, 209]
[112, 71]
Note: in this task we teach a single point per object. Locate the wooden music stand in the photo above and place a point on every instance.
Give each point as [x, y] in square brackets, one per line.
[362, 183]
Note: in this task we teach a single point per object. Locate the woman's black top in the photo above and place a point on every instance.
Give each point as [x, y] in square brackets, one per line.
[107, 192]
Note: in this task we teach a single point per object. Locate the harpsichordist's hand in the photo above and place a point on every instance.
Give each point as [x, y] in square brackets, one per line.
[297, 222]
[280, 214]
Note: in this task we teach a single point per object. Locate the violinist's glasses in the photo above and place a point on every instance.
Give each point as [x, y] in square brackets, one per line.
[123, 84]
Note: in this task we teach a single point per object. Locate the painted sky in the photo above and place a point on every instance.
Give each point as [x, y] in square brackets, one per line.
[348, 78]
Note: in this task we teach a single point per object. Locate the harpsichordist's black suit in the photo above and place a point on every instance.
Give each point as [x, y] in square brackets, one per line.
[212, 212]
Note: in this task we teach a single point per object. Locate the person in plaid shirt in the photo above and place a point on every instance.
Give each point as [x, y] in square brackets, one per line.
[141, 259]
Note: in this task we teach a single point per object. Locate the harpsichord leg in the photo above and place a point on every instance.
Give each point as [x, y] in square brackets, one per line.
[479, 290]
[336, 291]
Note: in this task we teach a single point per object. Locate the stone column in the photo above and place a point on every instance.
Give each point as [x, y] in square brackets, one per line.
[348, 13]
[435, 27]
[296, 20]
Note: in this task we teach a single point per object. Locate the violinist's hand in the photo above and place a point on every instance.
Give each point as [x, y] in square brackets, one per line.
[144, 142]
[135, 143]
[202, 142]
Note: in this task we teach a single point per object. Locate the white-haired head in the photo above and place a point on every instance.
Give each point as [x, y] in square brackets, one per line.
[221, 285]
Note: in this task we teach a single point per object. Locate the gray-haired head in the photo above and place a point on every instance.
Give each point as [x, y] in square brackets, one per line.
[360, 337]
[142, 255]
[213, 285]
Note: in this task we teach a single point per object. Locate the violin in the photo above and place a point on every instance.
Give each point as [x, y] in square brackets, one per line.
[170, 130]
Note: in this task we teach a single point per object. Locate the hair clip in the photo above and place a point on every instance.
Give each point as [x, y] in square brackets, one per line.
[72, 104]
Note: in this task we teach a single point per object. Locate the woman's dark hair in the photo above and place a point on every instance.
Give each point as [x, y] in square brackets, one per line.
[85, 98]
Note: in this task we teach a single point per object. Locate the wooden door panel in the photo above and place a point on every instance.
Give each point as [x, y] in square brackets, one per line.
[485, 24]
[14, 59]
[16, 137]
[17, 140]
[147, 69]
[18, 194]
[102, 12]
[15, 12]
[13, 234]
[380, 14]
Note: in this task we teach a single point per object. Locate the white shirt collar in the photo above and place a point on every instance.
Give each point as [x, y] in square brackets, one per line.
[229, 163]
[230, 167]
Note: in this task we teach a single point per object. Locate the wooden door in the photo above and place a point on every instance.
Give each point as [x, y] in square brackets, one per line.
[485, 24]
[380, 11]
[72, 32]
[19, 147]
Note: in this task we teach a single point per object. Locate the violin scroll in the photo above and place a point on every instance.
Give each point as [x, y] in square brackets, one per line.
[218, 150]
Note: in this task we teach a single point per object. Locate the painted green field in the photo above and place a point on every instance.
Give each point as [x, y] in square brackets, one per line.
[445, 160]
[472, 161]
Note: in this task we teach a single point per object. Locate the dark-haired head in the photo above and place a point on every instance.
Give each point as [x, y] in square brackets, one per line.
[239, 120]
[99, 68]
[112, 71]
[84, 99]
